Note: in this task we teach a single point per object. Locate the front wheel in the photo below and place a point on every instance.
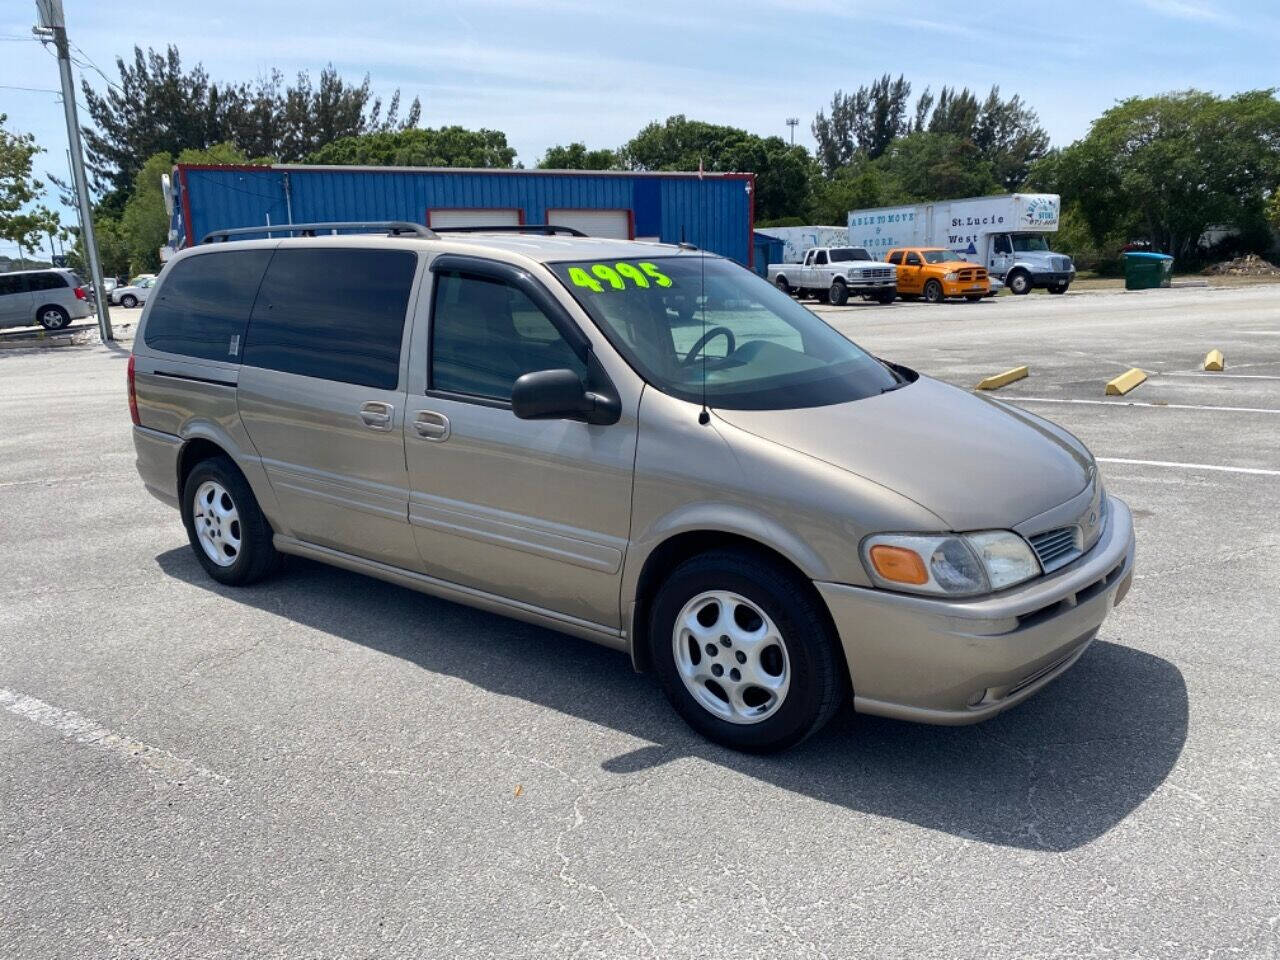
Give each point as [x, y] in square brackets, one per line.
[1019, 283]
[838, 293]
[933, 292]
[744, 653]
[230, 536]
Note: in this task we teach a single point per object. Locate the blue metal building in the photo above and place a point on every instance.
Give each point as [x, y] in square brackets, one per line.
[714, 211]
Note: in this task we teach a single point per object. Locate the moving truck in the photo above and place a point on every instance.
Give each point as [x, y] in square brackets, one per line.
[797, 241]
[1008, 234]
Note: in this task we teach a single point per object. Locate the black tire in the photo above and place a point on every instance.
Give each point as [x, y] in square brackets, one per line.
[838, 293]
[819, 680]
[933, 292]
[129, 301]
[886, 298]
[1059, 288]
[781, 284]
[53, 317]
[1019, 283]
[256, 557]
[819, 295]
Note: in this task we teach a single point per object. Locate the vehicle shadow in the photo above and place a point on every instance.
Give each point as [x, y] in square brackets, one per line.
[1052, 774]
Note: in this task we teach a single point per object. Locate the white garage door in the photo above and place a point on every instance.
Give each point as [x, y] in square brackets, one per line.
[473, 217]
[611, 224]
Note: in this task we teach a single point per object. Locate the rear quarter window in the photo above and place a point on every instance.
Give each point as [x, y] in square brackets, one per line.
[334, 314]
[202, 306]
[46, 281]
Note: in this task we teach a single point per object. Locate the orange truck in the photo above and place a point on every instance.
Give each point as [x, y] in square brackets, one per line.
[936, 273]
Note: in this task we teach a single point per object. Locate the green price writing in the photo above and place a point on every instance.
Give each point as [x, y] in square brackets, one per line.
[640, 274]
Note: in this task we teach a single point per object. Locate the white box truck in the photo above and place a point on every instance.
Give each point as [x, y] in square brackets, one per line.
[1008, 234]
[797, 241]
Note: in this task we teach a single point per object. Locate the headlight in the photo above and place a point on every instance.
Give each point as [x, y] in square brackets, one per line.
[952, 277]
[947, 564]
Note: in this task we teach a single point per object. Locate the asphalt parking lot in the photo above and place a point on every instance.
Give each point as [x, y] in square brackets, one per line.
[330, 766]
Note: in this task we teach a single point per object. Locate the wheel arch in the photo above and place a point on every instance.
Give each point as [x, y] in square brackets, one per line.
[682, 546]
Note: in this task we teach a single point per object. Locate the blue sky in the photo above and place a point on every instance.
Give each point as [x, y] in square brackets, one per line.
[552, 71]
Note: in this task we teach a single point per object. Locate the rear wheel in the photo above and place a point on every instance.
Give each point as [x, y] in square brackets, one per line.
[781, 284]
[744, 652]
[129, 300]
[933, 291]
[1019, 282]
[230, 536]
[838, 293]
[887, 297]
[53, 317]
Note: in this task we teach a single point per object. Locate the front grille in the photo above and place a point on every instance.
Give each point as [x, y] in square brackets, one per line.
[1056, 548]
[1061, 264]
[875, 273]
[971, 276]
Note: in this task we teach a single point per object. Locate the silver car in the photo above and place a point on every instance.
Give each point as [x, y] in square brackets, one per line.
[51, 298]
[133, 295]
[742, 500]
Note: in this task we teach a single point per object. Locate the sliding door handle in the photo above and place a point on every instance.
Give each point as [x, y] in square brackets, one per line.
[377, 415]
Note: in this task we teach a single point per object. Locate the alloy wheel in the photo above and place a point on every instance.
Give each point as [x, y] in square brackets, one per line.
[217, 523]
[732, 658]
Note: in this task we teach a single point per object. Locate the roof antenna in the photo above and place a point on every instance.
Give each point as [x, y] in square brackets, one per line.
[704, 416]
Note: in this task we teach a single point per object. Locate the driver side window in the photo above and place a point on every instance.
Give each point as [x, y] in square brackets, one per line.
[485, 334]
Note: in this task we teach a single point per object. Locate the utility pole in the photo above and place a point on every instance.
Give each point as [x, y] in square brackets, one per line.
[53, 26]
[793, 122]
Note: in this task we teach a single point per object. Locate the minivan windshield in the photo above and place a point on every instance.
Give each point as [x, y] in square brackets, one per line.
[702, 327]
[844, 254]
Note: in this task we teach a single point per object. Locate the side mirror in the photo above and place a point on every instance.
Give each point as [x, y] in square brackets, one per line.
[560, 395]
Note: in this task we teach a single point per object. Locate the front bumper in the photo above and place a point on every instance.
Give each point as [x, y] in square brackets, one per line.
[876, 283]
[1052, 279]
[961, 661]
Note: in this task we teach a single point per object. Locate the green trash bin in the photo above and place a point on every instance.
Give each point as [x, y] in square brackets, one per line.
[1146, 271]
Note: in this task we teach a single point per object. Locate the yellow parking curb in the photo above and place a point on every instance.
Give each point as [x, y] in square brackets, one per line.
[1213, 360]
[1125, 382]
[1002, 379]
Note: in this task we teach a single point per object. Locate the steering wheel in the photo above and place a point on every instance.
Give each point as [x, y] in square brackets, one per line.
[706, 338]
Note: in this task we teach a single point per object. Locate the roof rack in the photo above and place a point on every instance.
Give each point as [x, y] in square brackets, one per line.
[547, 228]
[392, 227]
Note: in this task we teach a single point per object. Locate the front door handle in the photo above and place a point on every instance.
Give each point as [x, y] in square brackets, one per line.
[377, 415]
[431, 425]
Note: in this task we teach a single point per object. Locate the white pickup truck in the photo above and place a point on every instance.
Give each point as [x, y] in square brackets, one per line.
[832, 274]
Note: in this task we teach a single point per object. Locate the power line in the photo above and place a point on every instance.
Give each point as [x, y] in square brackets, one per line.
[93, 66]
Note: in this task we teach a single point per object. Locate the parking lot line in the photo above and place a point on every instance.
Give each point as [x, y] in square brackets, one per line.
[1142, 403]
[1258, 471]
[81, 729]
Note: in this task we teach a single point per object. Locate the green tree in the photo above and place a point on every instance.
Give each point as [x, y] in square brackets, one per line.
[444, 147]
[864, 122]
[18, 187]
[159, 106]
[782, 172]
[935, 166]
[576, 156]
[1164, 168]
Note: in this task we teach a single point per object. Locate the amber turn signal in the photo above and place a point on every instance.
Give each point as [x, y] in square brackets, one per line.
[899, 565]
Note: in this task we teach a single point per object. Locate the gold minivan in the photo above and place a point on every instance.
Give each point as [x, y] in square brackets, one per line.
[636, 443]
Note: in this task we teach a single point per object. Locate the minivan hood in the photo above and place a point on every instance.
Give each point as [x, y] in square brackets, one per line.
[976, 463]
